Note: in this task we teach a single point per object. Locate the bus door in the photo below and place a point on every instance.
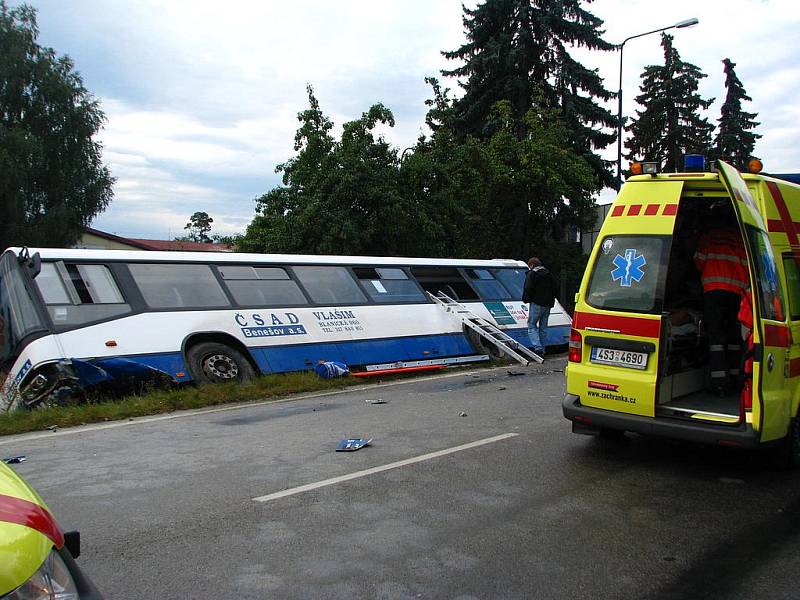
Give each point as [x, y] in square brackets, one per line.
[771, 336]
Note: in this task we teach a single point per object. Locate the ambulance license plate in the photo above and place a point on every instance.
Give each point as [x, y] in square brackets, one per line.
[619, 358]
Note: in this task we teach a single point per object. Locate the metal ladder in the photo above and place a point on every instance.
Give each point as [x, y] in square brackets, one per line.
[487, 330]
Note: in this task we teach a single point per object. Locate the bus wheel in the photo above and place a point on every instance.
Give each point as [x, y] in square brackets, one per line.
[210, 362]
[481, 345]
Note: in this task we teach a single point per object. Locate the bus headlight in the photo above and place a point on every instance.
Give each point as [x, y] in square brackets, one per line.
[52, 581]
[35, 388]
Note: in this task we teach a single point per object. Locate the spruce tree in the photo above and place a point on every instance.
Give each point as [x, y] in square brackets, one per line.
[735, 140]
[670, 125]
[518, 50]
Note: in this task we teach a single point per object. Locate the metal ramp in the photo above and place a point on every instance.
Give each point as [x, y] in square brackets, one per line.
[486, 330]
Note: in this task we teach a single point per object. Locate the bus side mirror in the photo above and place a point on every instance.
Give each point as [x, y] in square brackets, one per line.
[35, 265]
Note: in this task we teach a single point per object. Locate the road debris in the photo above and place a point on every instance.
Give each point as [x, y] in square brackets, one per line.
[376, 401]
[14, 460]
[502, 387]
[328, 369]
[52, 428]
[352, 444]
[515, 373]
[462, 414]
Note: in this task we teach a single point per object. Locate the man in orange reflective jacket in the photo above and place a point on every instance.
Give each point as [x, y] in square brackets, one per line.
[722, 262]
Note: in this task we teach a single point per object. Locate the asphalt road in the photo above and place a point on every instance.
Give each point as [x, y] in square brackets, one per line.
[166, 506]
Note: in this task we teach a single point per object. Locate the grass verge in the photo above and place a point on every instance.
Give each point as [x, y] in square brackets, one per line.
[164, 401]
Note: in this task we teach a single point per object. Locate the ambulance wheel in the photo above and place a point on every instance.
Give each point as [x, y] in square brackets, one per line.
[211, 362]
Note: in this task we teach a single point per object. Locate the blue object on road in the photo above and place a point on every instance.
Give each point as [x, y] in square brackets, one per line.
[331, 369]
[13, 460]
[352, 444]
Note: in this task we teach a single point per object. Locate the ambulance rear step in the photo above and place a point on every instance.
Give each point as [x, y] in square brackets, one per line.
[728, 416]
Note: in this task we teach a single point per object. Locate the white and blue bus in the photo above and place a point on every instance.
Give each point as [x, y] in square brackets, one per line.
[74, 319]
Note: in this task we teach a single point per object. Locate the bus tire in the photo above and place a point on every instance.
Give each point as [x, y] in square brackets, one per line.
[482, 346]
[212, 362]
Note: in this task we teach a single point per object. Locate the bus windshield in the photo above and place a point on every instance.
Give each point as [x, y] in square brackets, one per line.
[18, 314]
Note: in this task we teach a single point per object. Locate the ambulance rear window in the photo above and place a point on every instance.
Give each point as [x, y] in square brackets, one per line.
[629, 273]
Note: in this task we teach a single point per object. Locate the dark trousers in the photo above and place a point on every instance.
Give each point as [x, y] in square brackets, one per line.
[724, 335]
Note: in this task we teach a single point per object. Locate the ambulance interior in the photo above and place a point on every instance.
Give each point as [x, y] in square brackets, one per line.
[685, 386]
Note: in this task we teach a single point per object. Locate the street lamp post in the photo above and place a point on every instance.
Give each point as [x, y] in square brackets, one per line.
[679, 25]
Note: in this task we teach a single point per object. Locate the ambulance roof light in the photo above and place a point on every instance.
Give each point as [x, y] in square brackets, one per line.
[754, 166]
[694, 163]
[644, 168]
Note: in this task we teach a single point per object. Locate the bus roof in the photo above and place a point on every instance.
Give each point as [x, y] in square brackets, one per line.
[235, 257]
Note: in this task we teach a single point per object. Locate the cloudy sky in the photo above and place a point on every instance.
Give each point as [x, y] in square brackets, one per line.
[201, 97]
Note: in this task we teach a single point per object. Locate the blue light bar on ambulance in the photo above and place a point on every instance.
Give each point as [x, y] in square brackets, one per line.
[694, 163]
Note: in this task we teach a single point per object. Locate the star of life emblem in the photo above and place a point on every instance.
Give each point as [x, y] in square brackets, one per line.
[628, 267]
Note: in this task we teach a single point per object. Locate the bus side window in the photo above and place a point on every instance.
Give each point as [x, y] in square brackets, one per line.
[386, 284]
[178, 285]
[261, 286]
[513, 279]
[444, 279]
[488, 287]
[330, 285]
[76, 294]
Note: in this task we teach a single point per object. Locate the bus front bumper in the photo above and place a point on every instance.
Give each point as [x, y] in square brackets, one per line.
[590, 421]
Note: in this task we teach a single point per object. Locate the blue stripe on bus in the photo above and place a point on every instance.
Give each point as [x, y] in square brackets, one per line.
[296, 358]
[281, 359]
[172, 364]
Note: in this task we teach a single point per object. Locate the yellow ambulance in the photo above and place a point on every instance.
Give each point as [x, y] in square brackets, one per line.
[639, 349]
[36, 556]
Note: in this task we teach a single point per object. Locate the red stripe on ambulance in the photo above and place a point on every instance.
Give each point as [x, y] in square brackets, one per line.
[670, 210]
[614, 324]
[29, 514]
[777, 335]
[652, 209]
[789, 226]
[794, 367]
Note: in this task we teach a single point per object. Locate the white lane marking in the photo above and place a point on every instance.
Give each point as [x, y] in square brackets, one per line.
[27, 437]
[400, 463]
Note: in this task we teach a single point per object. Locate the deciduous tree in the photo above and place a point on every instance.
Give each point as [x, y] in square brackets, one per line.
[337, 197]
[53, 181]
[199, 226]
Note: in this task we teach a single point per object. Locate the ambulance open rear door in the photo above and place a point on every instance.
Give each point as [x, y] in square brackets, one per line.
[771, 337]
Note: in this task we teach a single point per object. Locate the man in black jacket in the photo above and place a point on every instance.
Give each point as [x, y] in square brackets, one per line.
[540, 293]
